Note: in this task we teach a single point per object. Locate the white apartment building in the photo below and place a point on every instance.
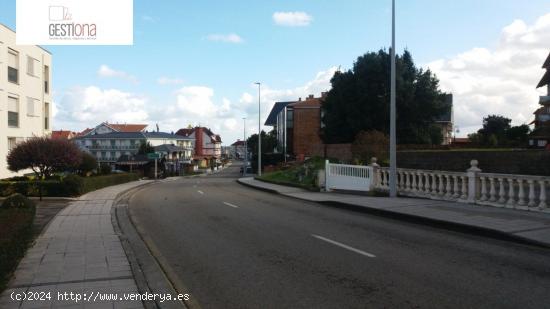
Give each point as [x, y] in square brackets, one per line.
[25, 94]
[108, 142]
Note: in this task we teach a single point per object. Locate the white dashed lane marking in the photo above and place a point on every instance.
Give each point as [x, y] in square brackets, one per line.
[341, 245]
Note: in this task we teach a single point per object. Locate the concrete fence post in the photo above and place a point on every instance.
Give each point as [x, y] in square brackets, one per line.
[327, 176]
[472, 181]
[375, 182]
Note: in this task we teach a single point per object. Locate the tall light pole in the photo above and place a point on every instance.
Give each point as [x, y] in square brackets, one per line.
[259, 133]
[393, 137]
[245, 150]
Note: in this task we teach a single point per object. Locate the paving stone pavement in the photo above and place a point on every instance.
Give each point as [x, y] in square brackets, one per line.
[530, 226]
[79, 252]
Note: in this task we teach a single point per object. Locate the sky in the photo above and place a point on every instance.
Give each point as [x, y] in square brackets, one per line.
[196, 62]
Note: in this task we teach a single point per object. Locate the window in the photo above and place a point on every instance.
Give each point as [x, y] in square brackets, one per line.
[11, 143]
[32, 65]
[13, 66]
[13, 112]
[46, 116]
[289, 118]
[31, 107]
[46, 79]
[113, 155]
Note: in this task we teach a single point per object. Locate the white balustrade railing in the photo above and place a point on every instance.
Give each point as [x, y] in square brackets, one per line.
[425, 183]
[501, 190]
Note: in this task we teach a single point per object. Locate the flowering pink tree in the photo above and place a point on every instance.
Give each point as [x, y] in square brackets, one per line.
[44, 156]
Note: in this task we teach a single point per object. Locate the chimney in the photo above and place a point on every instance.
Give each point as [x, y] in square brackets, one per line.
[310, 97]
[324, 94]
[300, 99]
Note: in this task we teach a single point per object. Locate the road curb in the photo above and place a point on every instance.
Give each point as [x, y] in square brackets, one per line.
[437, 223]
[148, 274]
[149, 268]
[258, 188]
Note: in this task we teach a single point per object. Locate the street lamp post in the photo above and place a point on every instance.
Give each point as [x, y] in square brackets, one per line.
[259, 134]
[245, 148]
[393, 138]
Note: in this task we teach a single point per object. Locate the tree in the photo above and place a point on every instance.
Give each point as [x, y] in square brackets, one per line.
[44, 156]
[369, 144]
[497, 131]
[87, 164]
[494, 129]
[359, 100]
[145, 148]
[518, 135]
[269, 142]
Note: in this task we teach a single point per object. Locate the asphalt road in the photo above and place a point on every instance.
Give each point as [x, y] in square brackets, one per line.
[236, 247]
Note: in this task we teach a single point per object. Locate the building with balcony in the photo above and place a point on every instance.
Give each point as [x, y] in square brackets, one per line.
[25, 94]
[540, 136]
[108, 142]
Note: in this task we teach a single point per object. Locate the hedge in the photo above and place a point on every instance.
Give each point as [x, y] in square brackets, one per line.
[16, 231]
[71, 185]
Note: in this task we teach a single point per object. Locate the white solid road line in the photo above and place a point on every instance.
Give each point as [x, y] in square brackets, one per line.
[200, 191]
[230, 205]
[344, 246]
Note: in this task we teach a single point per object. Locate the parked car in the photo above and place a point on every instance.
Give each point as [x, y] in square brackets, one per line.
[248, 170]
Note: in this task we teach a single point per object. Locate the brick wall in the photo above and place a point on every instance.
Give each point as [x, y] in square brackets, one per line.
[341, 152]
[307, 126]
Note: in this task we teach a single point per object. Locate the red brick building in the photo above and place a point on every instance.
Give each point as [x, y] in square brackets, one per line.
[307, 127]
[298, 126]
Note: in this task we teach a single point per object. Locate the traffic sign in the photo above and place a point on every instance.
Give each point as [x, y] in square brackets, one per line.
[153, 155]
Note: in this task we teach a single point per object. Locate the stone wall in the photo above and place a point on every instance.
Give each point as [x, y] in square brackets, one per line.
[522, 162]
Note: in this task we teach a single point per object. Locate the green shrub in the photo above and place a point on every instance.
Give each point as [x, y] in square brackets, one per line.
[98, 182]
[16, 231]
[105, 169]
[73, 185]
[17, 200]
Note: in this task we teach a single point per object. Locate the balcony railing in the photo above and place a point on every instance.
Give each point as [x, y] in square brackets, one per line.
[113, 147]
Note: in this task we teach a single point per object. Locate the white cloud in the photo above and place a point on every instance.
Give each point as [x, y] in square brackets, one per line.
[148, 18]
[82, 107]
[106, 71]
[500, 80]
[292, 19]
[169, 81]
[226, 38]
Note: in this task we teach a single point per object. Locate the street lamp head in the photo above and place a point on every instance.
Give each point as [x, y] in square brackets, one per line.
[257, 83]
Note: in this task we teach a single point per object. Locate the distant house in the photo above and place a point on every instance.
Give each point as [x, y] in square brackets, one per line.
[446, 121]
[237, 149]
[540, 137]
[62, 134]
[108, 142]
[207, 145]
[298, 126]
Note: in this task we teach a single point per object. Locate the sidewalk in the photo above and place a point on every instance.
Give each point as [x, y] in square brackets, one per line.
[78, 252]
[531, 227]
